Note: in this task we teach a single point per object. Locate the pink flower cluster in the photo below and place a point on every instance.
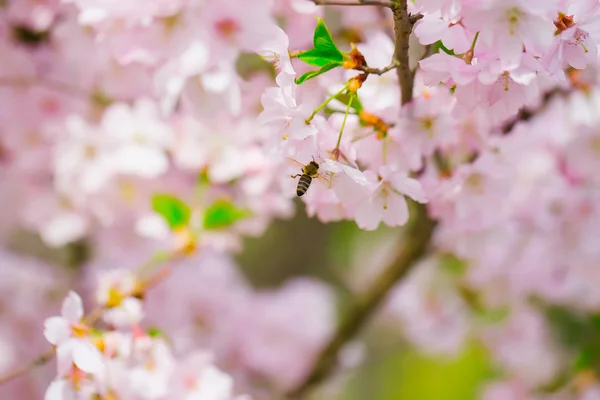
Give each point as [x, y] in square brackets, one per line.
[107, 103]
[124, 363]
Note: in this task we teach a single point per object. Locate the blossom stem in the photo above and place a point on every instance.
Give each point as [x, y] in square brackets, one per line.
[472, 49]
[324, 104]
[37, 362]
[339, 140]
[526, 114]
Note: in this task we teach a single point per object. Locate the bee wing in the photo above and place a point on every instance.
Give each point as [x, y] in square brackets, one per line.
[293, 163]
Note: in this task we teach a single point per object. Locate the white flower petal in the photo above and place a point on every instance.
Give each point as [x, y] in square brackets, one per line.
[56, 330]
[410, 187]
[58, 390]
[87, 357]
[72, 308]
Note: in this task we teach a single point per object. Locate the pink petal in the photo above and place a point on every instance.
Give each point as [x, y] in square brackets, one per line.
[368, 213]
[56, 330]
[396, 212]
[64, 357]
[58, 390]
[72, 308]
[87, 357]
[410, 187]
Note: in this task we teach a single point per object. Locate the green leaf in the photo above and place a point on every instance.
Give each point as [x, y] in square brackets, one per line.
[322, 38]
[172, 209]
[319, 57]
[154, 332]
[222, 214]
[324, 51]
[312, 74]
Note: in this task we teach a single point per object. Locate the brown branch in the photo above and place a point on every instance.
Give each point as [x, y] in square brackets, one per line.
[37, 362]
[378, 3]
[417, 238]
[414, 18]
[526, 114]
[403, 25]
[380, 71]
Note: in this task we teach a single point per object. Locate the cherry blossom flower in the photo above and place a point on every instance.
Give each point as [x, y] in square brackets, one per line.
[508, 26]
[387, 202]
[117, 291]
[68, 333]
[142, 138]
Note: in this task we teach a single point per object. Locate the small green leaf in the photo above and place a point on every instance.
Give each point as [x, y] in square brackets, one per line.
[320, 57]
[172, 209]
[312, 74]
[324, 51]
[154, 332]
[222, 214]
[322, 38]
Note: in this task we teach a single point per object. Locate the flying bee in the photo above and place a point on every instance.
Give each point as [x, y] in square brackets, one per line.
[310, 171]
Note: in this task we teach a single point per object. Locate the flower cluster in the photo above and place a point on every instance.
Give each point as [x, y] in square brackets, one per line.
[145, 128]
[126, 361]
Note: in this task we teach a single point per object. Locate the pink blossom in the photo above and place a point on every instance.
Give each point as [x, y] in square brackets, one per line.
[117, 292]
[284, 114]
[471, 191]
[447, 28]
[387, 202]
[508, 26]
[141, 138]
[68, 333]
[276, 50]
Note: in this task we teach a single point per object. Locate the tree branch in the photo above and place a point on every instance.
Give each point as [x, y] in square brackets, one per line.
[403, 25]
[380, 71]
[378, 3]
[37, 362]
[527, 113]
[417, 235]
[417, 238]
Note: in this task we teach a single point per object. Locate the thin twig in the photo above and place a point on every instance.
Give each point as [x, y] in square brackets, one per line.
[414, 18]
[37, 362]
[378, 3]
[380, 71]
[525, 113]
[28, 81]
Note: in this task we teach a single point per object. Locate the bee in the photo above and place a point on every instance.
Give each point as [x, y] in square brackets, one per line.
[310, 171]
